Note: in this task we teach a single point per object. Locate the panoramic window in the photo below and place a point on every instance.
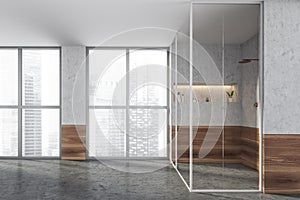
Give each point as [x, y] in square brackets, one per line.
[8, 102]
[30, 109]
[127, 103]
[40, 95]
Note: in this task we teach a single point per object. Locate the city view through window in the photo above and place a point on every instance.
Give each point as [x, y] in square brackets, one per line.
[128, 103]
[38, 108]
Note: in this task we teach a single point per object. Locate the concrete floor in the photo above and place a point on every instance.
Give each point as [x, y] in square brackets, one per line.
[216, 176]
[55, 179]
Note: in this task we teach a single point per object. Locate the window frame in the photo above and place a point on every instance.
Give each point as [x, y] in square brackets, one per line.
[20, 107]
[127, 107]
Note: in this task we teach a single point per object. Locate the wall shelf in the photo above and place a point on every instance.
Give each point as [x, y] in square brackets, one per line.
[206, 93]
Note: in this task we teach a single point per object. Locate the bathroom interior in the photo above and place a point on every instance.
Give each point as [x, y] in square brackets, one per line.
[215, 108]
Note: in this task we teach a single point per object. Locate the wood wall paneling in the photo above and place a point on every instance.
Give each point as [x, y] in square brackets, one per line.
[241, 145]
[250, 147]
[281, 163]
[73, 142]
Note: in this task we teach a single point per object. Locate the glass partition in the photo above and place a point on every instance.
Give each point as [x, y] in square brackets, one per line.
[173, 103]
[215, 130]
[208, 97]
[181, 106]
[225, 141]
[241, 131]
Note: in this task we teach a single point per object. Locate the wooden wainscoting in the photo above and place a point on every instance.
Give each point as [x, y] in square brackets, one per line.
[241, 145]
[250, 147]
[214, 156]
[281, 163]
[231, 138]
[73, 142]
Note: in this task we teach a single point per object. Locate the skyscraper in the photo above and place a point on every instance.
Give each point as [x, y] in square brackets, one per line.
[32, 140]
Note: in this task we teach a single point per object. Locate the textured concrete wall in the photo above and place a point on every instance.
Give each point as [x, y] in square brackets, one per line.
[207, 61]
[240, 113]
[232, 74]
[249, 90]
[172, 79]
[73, 84]
[281, 66]
[183, 76]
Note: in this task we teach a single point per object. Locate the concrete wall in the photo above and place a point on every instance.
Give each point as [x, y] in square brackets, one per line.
[240, 113]
[281, 61]
[281, 66]
[232, 74]
[73, 85]
[249, 90]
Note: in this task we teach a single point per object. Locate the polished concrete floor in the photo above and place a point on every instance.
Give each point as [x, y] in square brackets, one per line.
[54, 179]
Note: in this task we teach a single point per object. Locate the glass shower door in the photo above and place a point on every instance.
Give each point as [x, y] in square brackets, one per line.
[215, 93]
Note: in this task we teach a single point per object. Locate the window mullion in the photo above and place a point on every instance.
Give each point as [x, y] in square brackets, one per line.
[20, 61]
[127, 103]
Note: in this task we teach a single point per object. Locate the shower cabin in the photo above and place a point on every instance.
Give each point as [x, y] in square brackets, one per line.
[216, 98]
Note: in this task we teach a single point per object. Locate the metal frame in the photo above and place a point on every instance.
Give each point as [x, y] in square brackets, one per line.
[176, 103]
[170, 86]
[191, 100]
[168, 140]
[20, 110]
[261, 94]
[173, 87]
[87, 102]
[126, 107]
[127, 104]
[261, 98]
[20, 107]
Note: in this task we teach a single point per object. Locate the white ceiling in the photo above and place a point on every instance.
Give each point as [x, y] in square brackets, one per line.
[89, 22]
[106, 22]
[241, 22]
